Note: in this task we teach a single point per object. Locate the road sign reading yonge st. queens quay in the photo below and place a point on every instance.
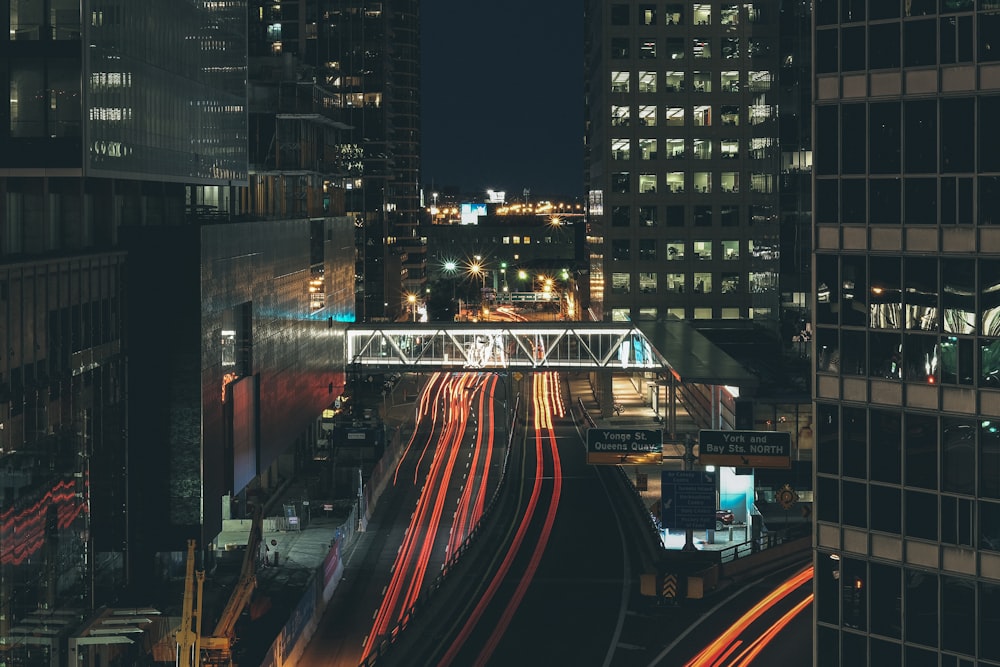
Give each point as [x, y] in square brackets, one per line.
[624, 446]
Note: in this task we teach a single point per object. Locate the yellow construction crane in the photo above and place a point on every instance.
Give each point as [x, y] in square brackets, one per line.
[194, 650]
[189, 633]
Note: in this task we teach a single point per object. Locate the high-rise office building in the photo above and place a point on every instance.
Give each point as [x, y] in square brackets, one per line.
[683, 160]
[368, 64]
[907, 342]
[698, 176]
[114, 120]
[357, 66]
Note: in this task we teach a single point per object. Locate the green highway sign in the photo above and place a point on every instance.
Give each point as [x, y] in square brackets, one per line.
[745, 449]
[624, 446]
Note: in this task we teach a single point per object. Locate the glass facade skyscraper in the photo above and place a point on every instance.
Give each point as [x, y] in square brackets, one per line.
[116, 118]
[907, 269]
[161, 353]
[368, 60]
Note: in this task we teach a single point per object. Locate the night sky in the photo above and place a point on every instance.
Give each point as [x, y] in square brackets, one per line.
[502, 96]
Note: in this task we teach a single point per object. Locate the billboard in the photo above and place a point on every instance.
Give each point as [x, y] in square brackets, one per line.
[472, 212]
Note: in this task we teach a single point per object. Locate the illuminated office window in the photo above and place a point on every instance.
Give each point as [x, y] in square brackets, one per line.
[621, 116]
[620, 82]
[647, 116]
[647, 82]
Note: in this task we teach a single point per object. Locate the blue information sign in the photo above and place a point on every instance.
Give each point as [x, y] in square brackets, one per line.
[687, 499]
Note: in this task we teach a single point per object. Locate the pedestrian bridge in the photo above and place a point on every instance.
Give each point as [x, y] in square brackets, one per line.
[660, 347]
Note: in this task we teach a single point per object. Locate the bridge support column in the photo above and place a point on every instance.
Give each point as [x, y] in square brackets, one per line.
[606, 393]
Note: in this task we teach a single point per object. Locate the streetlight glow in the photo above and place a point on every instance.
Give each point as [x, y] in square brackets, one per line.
[412, 299]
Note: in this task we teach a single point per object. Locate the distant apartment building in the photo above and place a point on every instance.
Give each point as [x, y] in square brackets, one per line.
[907, 340]
[503, 241]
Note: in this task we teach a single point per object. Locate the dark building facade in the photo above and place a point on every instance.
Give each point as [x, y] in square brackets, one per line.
[113, 121]
[164, 356]
[907, 272]
[369, 63]
[239, 354]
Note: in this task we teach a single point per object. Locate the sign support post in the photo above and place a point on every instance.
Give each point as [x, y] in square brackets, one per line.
[689, 465]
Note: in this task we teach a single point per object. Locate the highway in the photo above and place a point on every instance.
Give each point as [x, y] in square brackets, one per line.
[551, 578]
[553, 593]
[768, 621]
[448, 470]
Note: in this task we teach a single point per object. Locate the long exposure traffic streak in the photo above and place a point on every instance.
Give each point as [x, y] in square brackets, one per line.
[473, 498]
[547, 401]
[745, 639]
[445, 416]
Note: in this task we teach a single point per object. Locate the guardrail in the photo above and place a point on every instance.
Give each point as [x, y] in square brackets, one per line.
[586, 415]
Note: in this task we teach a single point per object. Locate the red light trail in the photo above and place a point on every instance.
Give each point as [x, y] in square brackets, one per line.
[446, 405]
[22, 532]
[546, 400]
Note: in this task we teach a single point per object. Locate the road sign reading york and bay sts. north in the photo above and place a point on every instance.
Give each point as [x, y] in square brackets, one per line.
[745, 449]
[687, 499]
[624, 446]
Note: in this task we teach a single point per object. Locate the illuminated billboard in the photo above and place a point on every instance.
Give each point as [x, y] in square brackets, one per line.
[472, 212]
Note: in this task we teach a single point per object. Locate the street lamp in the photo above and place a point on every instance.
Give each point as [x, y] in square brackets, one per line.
[477, 269]
[412, 299]
[451, 267]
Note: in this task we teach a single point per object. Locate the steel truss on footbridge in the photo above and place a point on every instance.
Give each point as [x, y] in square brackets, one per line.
[672, 349]
[503, 345]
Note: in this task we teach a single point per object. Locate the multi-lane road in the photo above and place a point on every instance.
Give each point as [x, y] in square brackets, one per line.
[548, 567]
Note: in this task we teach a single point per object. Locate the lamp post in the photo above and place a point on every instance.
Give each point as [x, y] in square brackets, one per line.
[477, 269]
[412, 299]
[450, 267]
